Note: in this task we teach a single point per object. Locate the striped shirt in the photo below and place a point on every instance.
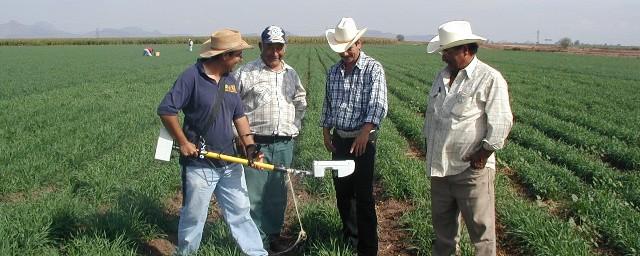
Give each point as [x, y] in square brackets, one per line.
[273, 101]
[474, 112]
[357, 98]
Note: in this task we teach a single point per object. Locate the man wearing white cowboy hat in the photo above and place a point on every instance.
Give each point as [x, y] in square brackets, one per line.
[274, 99]
[354, 106]
[208, 125]
[468, 118]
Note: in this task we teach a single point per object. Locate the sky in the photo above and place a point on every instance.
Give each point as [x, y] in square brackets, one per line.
[589, 21]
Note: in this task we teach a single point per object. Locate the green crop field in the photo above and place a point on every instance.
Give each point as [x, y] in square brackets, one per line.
[78, 130]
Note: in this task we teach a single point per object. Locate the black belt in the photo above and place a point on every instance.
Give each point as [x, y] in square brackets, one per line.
[261, 139]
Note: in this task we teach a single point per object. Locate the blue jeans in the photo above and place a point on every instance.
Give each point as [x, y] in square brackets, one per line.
[230, 188]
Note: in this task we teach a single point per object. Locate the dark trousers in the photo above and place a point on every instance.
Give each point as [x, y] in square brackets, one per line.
[354, 196]
[268, 189]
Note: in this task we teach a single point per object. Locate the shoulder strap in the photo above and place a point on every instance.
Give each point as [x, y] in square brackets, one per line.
[216, 107]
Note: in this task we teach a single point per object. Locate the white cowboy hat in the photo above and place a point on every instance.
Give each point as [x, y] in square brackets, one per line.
[452, 34]
[221, 41]
[344, 35]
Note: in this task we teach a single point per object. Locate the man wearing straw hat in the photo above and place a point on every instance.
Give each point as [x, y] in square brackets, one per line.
[468, 118]
[275, 102]
[195, 93]
[354, 105]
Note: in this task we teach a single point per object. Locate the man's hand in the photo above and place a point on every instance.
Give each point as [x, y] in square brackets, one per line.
[188, 149]
[359, 145]
[478, 159]
[326, 134]
[329, 145]
[253, 153]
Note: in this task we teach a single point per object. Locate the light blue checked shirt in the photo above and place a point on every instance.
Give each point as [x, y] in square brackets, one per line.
[357, 98]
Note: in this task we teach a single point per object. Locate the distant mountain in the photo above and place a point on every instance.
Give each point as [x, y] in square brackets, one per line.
[14, 29]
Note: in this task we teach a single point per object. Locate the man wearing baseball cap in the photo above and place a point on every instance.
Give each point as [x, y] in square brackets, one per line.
[274, 100]
[468, 118]
[205, 93]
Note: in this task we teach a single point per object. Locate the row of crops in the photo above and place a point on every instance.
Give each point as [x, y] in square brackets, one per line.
[79, 131]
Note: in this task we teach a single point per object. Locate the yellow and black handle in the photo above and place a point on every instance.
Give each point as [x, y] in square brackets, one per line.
[245, 162]
[242, 161]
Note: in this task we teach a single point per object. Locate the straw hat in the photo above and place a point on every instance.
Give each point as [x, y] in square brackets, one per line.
[344, 35]
[221, 41]
[452, 34]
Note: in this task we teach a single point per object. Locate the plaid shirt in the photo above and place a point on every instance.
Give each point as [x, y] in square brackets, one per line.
[274, 102]
[473, 113]
[357, 98]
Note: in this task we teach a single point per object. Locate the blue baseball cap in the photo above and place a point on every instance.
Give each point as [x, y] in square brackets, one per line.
[273, 34]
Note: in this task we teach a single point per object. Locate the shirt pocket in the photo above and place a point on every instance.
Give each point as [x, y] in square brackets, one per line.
[462, 105]
[259, 94]
[358, 99]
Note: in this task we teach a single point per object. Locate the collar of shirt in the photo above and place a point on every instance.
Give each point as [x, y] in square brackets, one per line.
[203, 72]
[467, 72]
[469, 69]
[360, 63]
[263, 66]
[200, 66]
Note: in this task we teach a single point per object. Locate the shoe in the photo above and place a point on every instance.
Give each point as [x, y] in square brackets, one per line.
[278, 245]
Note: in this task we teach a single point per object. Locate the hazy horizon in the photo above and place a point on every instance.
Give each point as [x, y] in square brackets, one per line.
[589, 21]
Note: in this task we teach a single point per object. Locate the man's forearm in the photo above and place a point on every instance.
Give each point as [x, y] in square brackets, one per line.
[172, 124]
[484, 153]
[297, 120]
[244, 131]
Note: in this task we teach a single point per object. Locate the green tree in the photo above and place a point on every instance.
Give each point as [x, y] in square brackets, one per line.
[400, 37]
[565, 42]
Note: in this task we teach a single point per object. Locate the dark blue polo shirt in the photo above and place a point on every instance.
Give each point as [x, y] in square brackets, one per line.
[194, 93]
